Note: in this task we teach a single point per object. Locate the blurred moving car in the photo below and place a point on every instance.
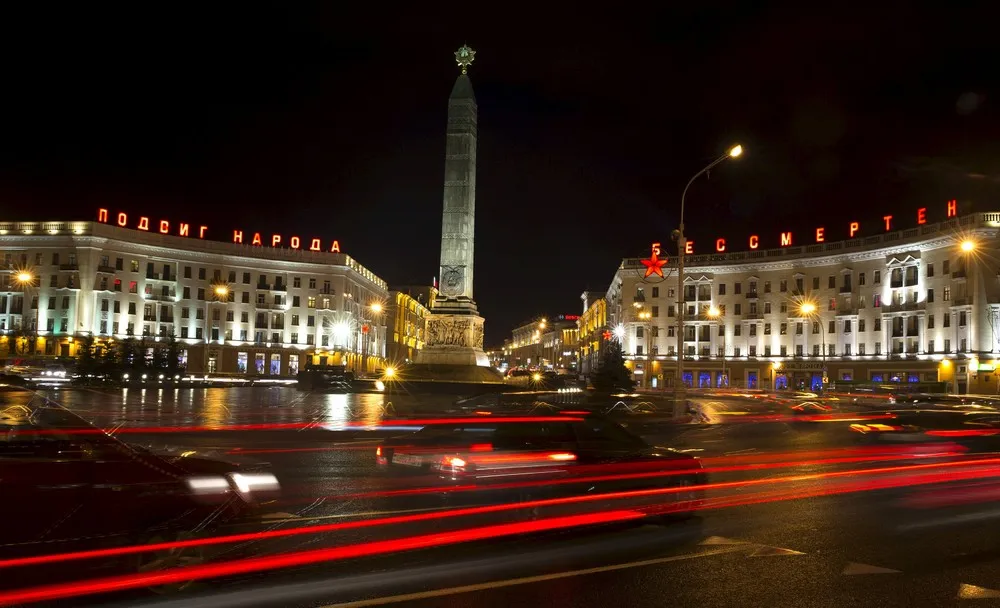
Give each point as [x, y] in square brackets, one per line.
[975, 430]
[69, 486]
[570, 453]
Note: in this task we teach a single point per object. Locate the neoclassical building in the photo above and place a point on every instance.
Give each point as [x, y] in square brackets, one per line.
[235, 308]
[914, 305]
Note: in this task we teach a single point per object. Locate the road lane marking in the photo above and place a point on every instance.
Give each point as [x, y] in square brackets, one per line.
[409, 597]
[766, 551]
[972, 592]
[854, 568]
[719, 540]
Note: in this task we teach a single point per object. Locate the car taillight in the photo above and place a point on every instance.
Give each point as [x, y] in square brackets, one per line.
[454, 462]
[378, 451]
[380, 457]
[562, 456]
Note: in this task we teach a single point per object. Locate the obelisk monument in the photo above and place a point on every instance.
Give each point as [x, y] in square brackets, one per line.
[454, 334]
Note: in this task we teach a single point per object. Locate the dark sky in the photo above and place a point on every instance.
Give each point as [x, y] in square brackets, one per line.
[330, 122]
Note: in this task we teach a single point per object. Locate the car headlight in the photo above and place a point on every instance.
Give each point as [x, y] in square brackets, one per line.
[249, 483]
[208, 486]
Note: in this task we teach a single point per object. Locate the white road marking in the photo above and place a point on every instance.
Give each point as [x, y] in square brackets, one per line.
[409, 597]
[972, 592]
[854, 568]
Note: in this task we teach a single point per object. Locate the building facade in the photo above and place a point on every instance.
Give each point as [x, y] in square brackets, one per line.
[593, 324]
[409, 309]
[235, 309]
[545, 343]
[917, 305]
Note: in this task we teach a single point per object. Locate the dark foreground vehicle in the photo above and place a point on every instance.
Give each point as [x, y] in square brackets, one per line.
[569, 454]
[66, 485]
[976, 431]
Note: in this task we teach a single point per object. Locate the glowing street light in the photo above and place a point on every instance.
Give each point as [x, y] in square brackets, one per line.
[389, 372]
[24, 277]
[735, 151]
[968, 245]
[714, 312]
[222, 291]
[376, 308]
[809, 309]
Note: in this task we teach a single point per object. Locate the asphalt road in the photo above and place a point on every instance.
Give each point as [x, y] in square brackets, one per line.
[817, 525]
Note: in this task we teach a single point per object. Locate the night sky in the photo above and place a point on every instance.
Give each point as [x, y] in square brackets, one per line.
[328, 123]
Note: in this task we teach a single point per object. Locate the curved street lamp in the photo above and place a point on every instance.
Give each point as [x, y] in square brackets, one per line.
[679, 388]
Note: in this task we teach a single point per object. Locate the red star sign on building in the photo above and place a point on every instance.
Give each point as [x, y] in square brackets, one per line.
[606, 334]
[654, 265]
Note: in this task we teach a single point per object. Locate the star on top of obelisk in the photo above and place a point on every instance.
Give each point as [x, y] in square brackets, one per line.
[464, 57]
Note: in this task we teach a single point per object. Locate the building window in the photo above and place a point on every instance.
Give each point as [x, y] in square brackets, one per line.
[311, 302]
[722, 289]
[815, 350]
[964, 343]
[198, 333]
[259, 363]
[833, 328]
[878, 348]
[767, 329]
[930, 346]
[131, 308]
[767, 286]
[946, 267]
[930, 270]
[135, 265]
[847, 350]
[133, 287]
[201, 293]
[737, 329]
[947, 319]
[767, 308]
[947, 294]
[312, 283]
[847, 326]
[832, 282]
[783, 286]
[739, 309]
[275, 364]
[783, 328]
[752, 350]
[861, 324]
[961, 320]
[798, 350]
[930, 321]
[767, 350]
[947, 345]
[783, 350]
[930, 296]
[753, 329]
[798, 328]
[656, 310]
[656, 292]
[878, 324]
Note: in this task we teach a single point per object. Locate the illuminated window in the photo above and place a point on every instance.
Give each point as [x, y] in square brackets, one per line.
[135, 266]
[241, 362]
[311, 302]
[947, 293]
[259, 362]
[133, 287]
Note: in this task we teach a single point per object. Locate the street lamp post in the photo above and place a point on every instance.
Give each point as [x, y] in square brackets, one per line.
[810, 311]
[25, 280]
[679, 388]
[715, 313]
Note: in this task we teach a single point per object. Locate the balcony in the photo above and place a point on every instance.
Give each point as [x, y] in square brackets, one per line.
[160, 297]
[263, 287]
[751, 295]
[69, 267]
[904, 306]
[845, 289]
[896, 284]
[959, 274]
[106, 269]
[326, 291]
[148, 317]
[155, 276]
[753, 316]
[280, 287]
[912, 331]
[897, 333]
[966, 301]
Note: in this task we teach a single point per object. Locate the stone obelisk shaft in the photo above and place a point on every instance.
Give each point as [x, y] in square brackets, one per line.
[458, 225]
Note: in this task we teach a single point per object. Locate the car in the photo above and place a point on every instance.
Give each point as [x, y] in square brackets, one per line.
[546, 456]
[70, 486]
[975, 431]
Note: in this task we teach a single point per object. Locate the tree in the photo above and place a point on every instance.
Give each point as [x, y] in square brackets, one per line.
[612, 375]
[127, 350]
[109, 361]
[86, 363]
[173, 354]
